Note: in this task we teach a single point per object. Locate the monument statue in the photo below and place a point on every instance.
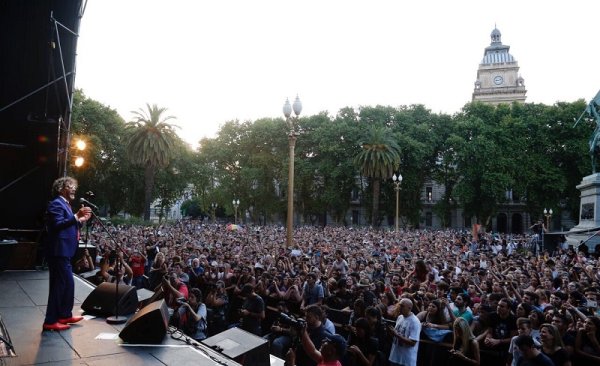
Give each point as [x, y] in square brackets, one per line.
[593, 112]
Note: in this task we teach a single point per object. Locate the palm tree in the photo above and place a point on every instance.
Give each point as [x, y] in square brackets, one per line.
[150, 145]
[379, 158]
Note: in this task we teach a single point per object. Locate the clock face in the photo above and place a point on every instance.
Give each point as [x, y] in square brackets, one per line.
[498, 80]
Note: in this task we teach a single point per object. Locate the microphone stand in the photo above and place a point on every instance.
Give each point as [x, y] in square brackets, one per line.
[116, 319]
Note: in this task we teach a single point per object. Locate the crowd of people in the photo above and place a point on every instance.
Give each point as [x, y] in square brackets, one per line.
[358, 296]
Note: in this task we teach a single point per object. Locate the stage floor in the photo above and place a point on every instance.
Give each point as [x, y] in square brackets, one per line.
[23, 299]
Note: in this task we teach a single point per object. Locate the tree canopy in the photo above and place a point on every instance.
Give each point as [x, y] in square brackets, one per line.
[476, 155]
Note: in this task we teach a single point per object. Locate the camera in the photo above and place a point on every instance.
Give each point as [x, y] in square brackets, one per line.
[296, 323]
[181, 300]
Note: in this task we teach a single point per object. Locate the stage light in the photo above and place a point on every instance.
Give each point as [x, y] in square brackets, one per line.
[79, 161]
[81, 145]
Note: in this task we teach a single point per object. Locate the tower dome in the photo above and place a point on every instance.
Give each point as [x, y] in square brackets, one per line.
[496, 36]
[496, 52]
[498, 80]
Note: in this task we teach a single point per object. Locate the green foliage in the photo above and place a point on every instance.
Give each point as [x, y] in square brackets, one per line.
[150, 143]
[192, 208]
[107, 171]
[378, 159]
[476, 155]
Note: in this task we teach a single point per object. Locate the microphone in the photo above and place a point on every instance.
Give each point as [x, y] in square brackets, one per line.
[86, 202]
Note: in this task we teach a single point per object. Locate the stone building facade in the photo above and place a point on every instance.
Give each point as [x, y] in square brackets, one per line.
[498, 80]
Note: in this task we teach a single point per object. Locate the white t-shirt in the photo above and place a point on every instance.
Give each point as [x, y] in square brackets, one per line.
[342, 266]
[409, 327]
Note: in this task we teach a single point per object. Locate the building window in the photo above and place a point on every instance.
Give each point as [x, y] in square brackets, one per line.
[355, 194]
[429, 194]
[428, 219]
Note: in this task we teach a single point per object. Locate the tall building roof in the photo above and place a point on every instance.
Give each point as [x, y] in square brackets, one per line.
[496, 52]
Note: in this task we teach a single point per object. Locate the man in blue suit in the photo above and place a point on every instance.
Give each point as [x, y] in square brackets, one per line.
[62, 226]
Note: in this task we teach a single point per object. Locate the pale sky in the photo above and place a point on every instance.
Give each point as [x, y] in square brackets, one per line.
[210, 62]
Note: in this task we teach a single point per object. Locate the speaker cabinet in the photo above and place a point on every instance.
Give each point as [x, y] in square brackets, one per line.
[241, 346]
[148, 326]
[102, 302]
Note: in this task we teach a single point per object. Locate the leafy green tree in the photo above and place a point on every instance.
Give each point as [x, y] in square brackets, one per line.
[150, 145]
[444, 170]
[554, 162]
[192, 208]
[107, 172]
[482, 160]
[262, 167]
[334, 148]
[378, 159]
[416, 137]
[173, 182]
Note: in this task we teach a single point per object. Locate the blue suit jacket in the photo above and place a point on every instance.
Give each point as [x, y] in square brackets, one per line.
[62, 228]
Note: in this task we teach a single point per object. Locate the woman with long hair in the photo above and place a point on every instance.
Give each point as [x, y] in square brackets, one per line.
[552, 345]
[523, 310]
[465, 349]
[378, 329]
[587, 342]
[434, 316]
[218, 302]
[388, 305]
[158, 271]
[419, 273]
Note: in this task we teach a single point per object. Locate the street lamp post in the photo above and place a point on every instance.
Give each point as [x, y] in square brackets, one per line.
[236, 204]
[547, 215]
[292, 135]
[397, 181]
[214, 213]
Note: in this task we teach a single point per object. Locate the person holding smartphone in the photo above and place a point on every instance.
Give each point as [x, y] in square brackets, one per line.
[406, 335]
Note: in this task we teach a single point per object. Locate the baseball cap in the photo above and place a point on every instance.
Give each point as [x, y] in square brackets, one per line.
[338, 341]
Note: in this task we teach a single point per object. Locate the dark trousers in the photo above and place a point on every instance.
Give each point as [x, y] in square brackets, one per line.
[62, 290]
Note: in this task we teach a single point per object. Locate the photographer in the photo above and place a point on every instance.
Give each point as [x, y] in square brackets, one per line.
[119, 270]
[329, 353]
[190, 317]
[283, 333]
[218, 301]
[315, 331]
[84, 264]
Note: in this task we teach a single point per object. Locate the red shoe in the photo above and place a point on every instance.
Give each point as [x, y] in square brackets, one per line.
[56, 326]
[71, 320]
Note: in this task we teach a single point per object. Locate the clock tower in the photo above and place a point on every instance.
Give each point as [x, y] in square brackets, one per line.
[498, 80]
